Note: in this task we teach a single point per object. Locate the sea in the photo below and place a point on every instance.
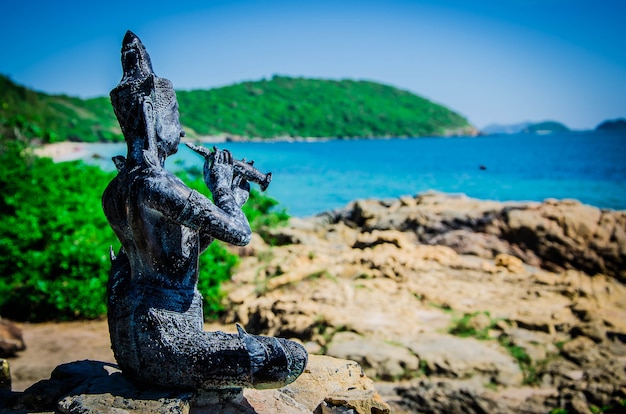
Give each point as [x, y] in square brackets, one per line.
[312, 177]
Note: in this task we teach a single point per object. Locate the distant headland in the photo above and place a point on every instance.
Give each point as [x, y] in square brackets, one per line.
[280, 107]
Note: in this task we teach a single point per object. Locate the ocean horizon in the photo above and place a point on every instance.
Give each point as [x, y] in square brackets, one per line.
[311, 177]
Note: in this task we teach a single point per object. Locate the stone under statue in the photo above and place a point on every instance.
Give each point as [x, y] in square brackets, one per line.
[154, 307]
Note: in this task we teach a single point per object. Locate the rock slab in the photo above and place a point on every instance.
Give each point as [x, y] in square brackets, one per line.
[327, 385]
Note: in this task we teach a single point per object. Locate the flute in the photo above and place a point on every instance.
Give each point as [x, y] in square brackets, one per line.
[242, 167]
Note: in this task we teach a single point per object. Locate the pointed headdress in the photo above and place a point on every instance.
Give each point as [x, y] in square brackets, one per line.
[138, 83]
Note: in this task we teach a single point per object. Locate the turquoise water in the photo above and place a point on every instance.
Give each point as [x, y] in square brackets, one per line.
[311, 177]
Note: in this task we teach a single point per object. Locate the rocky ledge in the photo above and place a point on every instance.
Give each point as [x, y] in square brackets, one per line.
[328, 385]
[453, 305]
[450, 304]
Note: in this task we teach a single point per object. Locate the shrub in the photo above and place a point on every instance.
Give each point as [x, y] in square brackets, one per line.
[54, 239]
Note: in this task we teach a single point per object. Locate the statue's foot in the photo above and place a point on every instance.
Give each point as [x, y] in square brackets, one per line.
[274, 362]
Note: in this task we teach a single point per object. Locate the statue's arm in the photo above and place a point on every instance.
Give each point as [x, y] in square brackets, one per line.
[223, 220]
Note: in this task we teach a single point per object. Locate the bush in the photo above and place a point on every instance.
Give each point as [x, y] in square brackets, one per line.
[54, 239]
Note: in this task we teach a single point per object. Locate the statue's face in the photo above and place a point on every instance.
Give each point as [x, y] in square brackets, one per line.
[169, 129]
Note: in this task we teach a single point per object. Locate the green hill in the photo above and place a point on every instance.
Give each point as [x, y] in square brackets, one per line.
[279, 107]
[301, 107]
[612, 125]
[545, 127]
[56, 117]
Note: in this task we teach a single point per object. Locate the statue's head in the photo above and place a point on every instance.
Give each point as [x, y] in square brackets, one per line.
[144, 104]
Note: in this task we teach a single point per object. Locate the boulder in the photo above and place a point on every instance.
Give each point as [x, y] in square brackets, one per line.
[380, 359]
[454, 357]
[97, 387]
[555, 234]
[447, 397]
[333, 382]
[11, 338]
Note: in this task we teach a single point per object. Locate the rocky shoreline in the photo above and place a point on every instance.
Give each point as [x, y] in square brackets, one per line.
[453, 305]
[450, 304]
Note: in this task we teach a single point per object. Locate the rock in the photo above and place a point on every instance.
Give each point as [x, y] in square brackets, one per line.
[379, 359]
[446, 355]
[5, 375]
[442, 397]
[554, 234]
[582, 350]
[11, 339]
[511, 263]
[353, 403]
[568, 235]
[537, 345]
[382, 281]
[252, 401]
[98, 387]
[336, 382]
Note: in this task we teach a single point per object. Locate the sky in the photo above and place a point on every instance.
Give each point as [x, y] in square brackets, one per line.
[492, 61]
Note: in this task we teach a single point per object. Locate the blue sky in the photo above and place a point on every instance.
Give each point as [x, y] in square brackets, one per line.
[493, 61]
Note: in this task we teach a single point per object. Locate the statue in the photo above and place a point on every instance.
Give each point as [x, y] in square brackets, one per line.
[155, 310]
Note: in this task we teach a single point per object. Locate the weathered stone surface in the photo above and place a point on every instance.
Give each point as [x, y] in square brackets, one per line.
[566, 329]
[97, 387]
[365, 277]
[447, 355]
[445, 397]
[337, 382]
[11, 338]
[554, 234]
[379, 358]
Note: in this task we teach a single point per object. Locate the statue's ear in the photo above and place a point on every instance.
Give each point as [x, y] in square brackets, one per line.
[150, 154]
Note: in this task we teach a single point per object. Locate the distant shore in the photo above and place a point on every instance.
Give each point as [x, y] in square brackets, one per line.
[71, 151]
[63, 151]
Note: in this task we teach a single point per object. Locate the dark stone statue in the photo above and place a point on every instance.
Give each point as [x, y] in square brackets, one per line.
[155, 310]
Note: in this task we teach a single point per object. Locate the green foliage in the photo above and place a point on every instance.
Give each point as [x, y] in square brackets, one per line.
[263, 214]
[613, 125]
[216, 264]
[529, 369]
[464, 328]
[301, 107]
[281, 106]
[56, 117]
[54, 238]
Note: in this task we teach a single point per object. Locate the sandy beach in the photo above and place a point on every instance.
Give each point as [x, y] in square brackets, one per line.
[70, 151]
[62, 151]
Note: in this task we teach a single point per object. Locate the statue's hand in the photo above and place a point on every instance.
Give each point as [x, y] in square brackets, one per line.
[241, 190]
[218, 171]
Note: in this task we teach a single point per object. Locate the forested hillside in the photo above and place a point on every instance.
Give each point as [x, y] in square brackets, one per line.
[282, 106]
[56, 117]
[301, 107]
